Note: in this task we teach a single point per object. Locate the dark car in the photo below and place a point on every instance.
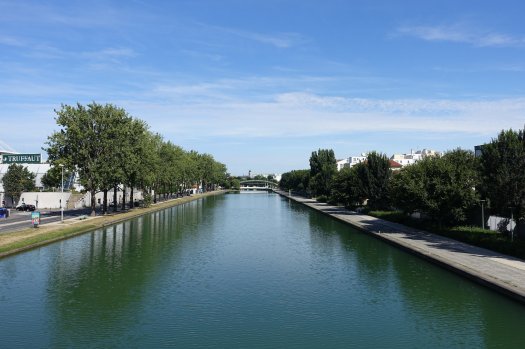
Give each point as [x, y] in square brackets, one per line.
[25, 207]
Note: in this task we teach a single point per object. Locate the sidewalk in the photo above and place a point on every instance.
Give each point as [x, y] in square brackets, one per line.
[502, 273]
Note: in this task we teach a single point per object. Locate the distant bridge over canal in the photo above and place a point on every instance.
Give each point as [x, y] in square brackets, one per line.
[257, 184]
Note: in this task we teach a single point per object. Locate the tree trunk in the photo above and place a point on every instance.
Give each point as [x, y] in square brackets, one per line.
[123, 197]
[131, 197]
[93, 203]
[105, 204]
[115, 203]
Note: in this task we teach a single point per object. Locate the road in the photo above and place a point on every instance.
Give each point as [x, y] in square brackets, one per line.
[20, 220]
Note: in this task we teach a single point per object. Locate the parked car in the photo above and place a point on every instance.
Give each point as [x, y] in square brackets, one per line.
[4, 212]
[25, 207]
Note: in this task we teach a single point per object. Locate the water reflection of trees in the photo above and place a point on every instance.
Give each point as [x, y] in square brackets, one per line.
[431, 300]
[98, 285]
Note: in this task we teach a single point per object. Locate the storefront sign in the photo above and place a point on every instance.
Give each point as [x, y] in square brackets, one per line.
[21, 158]
[35, 219]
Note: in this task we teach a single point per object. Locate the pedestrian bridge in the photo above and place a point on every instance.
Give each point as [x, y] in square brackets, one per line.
[257, 184]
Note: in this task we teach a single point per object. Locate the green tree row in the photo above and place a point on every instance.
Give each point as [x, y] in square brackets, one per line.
[446, 189]
[108, 148]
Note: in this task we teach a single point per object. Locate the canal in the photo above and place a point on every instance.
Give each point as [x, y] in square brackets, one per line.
[243, 271]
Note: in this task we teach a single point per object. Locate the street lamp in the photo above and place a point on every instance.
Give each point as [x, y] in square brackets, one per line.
[482, 215]
[62, 196]
[511, 221]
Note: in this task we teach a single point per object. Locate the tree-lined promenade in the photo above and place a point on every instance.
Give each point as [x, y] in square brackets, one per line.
[110, 149]
[446, 191]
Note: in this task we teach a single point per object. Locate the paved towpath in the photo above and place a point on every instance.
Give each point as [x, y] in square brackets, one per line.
[503, 273]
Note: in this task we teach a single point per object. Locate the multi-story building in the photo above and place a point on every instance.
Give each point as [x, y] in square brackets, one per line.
[413, 157]
[351, 161]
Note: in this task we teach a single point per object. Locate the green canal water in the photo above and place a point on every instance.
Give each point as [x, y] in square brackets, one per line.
[243, 271]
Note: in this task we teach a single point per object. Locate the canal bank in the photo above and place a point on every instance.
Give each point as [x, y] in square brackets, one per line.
[26, 239]
[502, 273]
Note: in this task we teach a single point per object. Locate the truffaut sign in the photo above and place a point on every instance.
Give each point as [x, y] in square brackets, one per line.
[21, 158]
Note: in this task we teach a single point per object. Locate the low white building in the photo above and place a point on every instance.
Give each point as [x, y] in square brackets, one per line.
[350, 161]
[413, 157]
[343, 163]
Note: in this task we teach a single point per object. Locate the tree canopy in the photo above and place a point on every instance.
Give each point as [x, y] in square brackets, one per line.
[107, 147]
[374, 176]
[16, 180]
[323, 167]
[441, 187]
[502, 164]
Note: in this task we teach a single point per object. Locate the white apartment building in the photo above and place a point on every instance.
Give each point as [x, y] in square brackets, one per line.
[350, 162]
[413, 157]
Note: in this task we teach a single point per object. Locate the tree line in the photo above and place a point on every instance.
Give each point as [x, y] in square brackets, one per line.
[446, 189]
[109, 149]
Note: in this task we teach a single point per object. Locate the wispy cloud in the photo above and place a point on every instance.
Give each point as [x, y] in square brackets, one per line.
[462, 33]
[11, 41]
[279, 40]
[282, 40]
[300, 114]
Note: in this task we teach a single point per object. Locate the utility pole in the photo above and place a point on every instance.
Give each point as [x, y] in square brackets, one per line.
[482, 215]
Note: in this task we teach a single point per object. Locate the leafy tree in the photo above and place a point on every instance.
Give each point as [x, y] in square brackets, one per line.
[374, 176]
[323, 167]
[108, 148]
[440, 187]
[235, 183]
[16, 180]
[86, 144]
[346, 187]
[114, 143]
[502, 164]
[53, 177]
[296, 180]
[140, 157]
[271, 178]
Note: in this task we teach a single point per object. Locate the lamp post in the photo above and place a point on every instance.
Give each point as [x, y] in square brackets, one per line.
[482, 215]
[62, 196]
[511, 221]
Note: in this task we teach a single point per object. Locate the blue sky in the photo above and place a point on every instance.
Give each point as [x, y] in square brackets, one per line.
[261, 84]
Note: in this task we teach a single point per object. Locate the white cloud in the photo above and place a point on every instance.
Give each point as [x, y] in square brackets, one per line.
[282, 40]
[305, 115]
[9, 40]
[463, 34]
[279, 40]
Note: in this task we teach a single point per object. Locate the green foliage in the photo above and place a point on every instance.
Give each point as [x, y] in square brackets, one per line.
[502, 164]
[53, 177]
[346, 188]
[89, 143]
[322, 198]
[147, 199]
[323, 167]
[491, 240]
[234, 183]
[107, 148]
[374, 176]
[440, 187]
[16, 180]
[296, 180]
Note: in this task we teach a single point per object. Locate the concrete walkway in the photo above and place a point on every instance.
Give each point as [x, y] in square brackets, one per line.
[503, 273]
